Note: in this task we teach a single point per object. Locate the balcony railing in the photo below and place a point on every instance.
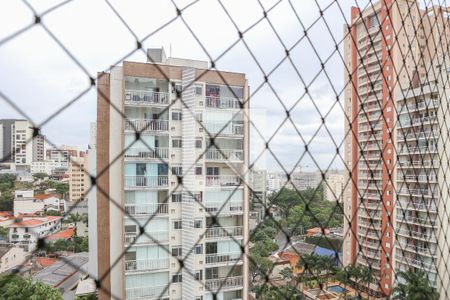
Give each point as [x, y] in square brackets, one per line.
[414, 205]
[416, 263]
[409, 219]
[146, 264]
[418, 249]
[417, 121]
[225, 154]
[228, 207]
[428, 236]
[224, 128]
[223, 258]
[220, 232]
[150, 292]
[147, 209]
[146, 238]
[143, 181]
[147, 153]
[223, 283]
[223, 180]
[419, 149]
[145, 97]
[223, 102]
[144, 125]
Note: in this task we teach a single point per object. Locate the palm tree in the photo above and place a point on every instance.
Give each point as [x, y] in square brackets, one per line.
[415, 285]
[366, 277]
[74, 218]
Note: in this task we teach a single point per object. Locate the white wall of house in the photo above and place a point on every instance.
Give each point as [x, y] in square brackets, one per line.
[11, 259]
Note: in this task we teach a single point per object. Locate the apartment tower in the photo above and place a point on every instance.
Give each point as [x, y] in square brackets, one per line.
[389, 204]
[172, 156]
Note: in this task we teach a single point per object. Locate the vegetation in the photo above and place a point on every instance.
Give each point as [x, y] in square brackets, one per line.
[307, 209]
[87, 297]
[14, 287]
[76, 244]
[40, 175]
[267, 292]
[416, 286]
[263, 239]
[4, 233]
[7, 182]
[60, 187]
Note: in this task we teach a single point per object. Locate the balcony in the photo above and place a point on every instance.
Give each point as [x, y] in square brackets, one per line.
[224, 128]
[223, 232]
[419, 164]
[427, 236]
[156, 237]
[146, 125]
[146, 153]
[416, 263]
[147, 209]
[143, 181]
[146, 264]
[417, 121]
[418, 149]
[223, 180]
[223, 258]
[417, 249]
[220, 284]
[415, 205]
[405, 109]
[419, 178]
[139, 97]
[415, 220]
[417, 192]
[154, 292]
[225, 208]
[225, 155]
[223, 102]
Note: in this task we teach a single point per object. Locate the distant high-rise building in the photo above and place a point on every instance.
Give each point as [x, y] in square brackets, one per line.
[333, 187]
[180, 183]
[79, 181]
[16, 142]
[39, 150]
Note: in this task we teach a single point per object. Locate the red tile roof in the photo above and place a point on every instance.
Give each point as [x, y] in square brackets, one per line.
[45, 196]
[62, 235]
[45, 262]
[27, 223]
[5, 214]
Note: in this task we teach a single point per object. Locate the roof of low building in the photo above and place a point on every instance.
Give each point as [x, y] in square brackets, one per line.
[45, 262]
[33, 221]
[45, 196]
[63, 269]
[62, 235]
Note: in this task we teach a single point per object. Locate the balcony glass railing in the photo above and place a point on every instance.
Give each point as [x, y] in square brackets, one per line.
[147, 238]
[146, 264]
[150, 292]
[147, 153]
[224, 128]
[223, 180]
[219, 258]
[145, 125]
[140, 97]
[225, 154]
[220, 232]
[143, 181]
[227, 207]
[223, 283]
[223, 102]
[147, 209]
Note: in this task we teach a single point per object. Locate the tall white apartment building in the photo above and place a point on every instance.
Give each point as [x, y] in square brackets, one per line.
[179, 180]
[16, 144]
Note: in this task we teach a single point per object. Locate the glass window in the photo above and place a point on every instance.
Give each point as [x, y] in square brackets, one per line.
[177, 251]
[177, 278]
[177, 225]
[176, 143]
[177, 197]
[198, 223]
[198, 249]
[198, 170]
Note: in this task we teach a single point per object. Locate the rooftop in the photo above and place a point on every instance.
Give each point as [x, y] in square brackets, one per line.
[45, 262]
[62, 235]
[63, 269]
[45, 196]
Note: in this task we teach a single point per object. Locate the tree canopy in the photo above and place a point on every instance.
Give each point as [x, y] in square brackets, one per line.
[15, 287]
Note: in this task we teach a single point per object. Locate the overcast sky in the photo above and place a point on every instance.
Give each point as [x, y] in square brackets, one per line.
[39, 77]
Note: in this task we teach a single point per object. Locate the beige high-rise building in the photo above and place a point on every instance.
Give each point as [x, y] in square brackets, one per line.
[183, 193]
[79, 181]
[392, 107]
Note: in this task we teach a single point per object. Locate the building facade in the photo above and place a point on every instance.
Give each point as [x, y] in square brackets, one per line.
[333, 187]
[387, 54]
[16, 142]
[79, 181]
[179, 180]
